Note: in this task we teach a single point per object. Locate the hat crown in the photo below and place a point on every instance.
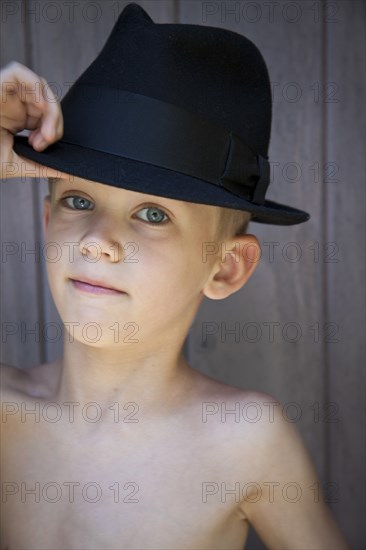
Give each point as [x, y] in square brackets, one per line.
[181, 111]
[213, 72]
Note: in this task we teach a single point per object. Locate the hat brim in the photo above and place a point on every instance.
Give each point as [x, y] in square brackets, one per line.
[138, 176]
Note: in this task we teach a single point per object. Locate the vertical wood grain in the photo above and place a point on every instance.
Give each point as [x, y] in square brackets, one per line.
[345, 290]
[20, 292]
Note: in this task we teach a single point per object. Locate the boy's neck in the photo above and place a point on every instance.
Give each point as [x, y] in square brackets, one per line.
[153, 378]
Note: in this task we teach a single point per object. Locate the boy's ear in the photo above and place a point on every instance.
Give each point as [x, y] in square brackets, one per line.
[46, 212]
[237, 260]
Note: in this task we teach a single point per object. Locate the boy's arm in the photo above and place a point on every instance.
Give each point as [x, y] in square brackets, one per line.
[25, 103]
[291, 511]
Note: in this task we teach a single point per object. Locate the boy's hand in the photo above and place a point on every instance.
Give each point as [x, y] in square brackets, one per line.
[25, 105]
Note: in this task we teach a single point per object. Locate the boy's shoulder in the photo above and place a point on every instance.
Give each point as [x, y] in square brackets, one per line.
[30, 382]
[269, 452]
[254, 423]
[239, 404]
[12, 380]
[251, 422]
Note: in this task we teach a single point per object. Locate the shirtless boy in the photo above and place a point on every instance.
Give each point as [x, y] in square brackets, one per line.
[128, 460]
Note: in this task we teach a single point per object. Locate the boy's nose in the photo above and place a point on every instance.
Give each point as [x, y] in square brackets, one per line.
[95, 249]
[106, 236]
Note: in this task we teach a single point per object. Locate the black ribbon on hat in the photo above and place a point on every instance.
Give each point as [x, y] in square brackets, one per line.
[142, 128]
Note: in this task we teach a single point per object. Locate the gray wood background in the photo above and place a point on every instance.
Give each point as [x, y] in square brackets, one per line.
[301, 318]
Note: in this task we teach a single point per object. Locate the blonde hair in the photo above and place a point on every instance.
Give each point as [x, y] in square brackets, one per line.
[232, 223]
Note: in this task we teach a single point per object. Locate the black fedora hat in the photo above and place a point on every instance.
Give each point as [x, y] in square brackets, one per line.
[175, 110]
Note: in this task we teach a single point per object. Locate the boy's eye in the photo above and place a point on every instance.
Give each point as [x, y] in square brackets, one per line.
[150, 214]
[77, 202]
[154, 215]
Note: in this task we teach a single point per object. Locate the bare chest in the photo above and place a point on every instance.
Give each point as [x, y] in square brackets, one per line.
[138, 487]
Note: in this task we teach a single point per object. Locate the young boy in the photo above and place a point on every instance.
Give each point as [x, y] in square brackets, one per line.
[117, 452]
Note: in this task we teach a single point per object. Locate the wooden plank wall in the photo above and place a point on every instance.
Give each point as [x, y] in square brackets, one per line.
[309, 285]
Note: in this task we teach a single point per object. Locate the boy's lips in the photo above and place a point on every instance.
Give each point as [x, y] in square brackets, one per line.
[94, 286]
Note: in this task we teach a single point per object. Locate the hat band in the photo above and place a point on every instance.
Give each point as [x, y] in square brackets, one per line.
[145, 129]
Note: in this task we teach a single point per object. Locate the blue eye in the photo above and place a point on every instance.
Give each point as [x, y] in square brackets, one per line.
[82, 202]
[154, 215]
